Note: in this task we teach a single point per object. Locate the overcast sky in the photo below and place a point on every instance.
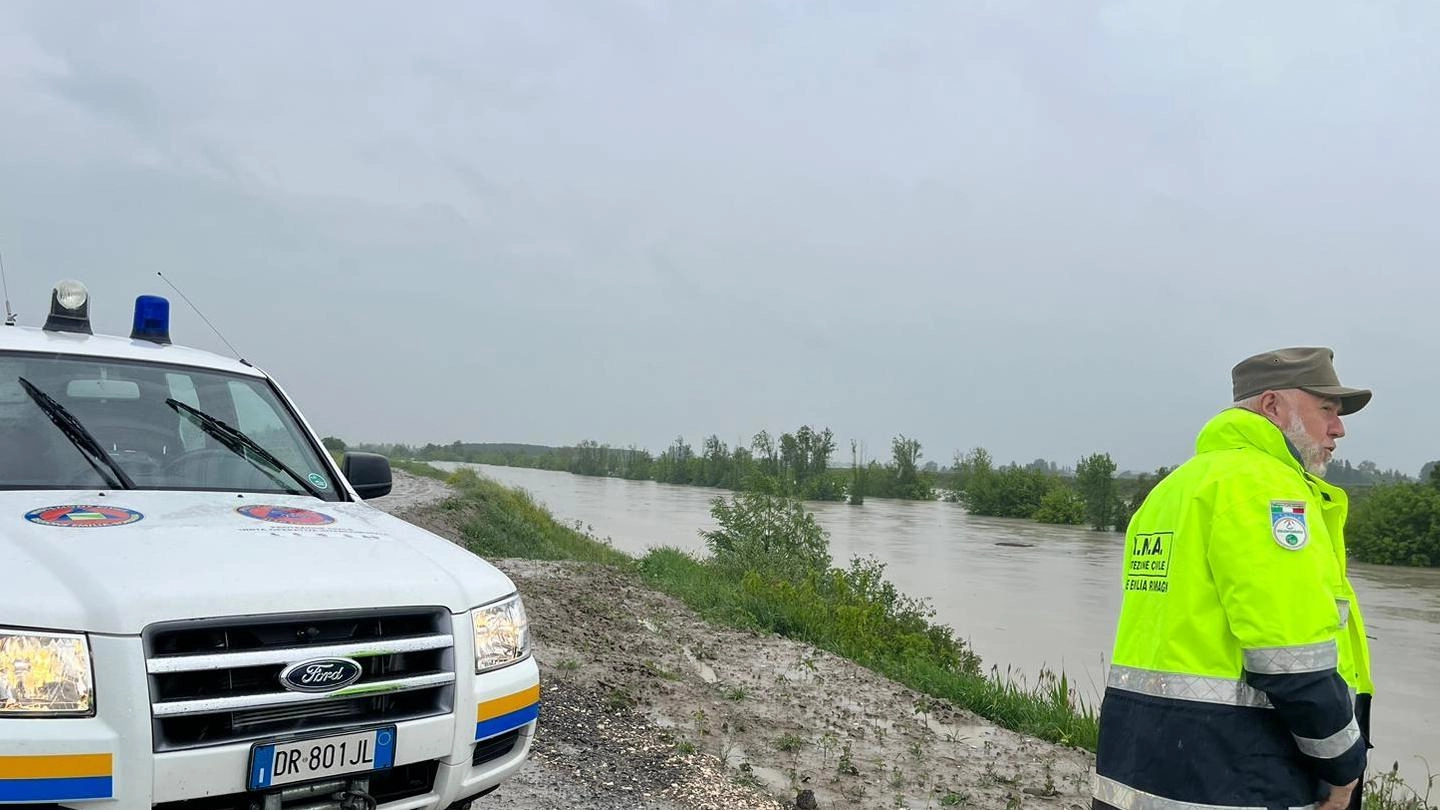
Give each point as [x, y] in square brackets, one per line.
[1045, 228]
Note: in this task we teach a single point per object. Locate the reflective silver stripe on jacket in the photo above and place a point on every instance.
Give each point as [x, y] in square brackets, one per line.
[1222, 691]
[1291, 660]
[1343, 605]
[1127, 798]
[1334, 745]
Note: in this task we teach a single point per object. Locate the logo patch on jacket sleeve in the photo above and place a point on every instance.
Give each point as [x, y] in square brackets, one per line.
[1287, 524]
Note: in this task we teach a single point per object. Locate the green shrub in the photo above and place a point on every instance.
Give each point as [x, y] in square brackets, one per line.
[1006, 492]
[767, 532]
[857, 614]
[1396, 524]
[1061, 505]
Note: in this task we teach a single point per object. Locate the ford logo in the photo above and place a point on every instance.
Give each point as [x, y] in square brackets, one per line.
[321, 674]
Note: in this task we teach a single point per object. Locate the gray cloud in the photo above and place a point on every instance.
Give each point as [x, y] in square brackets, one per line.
[1048, 230]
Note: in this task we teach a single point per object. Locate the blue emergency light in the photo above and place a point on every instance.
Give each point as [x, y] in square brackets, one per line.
[152, 319]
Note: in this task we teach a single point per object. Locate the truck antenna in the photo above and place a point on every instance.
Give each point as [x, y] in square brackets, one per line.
[9, 316]
[202, 317]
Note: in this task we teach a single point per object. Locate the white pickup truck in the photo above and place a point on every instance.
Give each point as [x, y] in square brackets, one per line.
[199, 612]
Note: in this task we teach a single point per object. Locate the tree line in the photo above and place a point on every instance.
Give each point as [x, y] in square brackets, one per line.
[1092, 495]
[803, 463]
[800, 462]
[1394, 519]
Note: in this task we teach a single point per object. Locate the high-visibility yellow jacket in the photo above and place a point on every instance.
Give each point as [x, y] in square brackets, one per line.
[1240, 647]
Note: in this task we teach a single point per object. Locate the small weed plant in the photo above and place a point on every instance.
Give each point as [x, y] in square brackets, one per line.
[1388, 791]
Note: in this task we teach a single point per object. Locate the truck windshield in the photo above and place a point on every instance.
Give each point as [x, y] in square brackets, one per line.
[157, 426]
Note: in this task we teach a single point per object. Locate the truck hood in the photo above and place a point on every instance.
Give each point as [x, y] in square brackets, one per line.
[115, 562]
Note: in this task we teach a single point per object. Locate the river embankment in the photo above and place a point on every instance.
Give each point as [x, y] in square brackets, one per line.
[645, 704]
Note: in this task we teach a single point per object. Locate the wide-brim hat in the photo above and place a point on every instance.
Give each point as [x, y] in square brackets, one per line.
[1308, 368]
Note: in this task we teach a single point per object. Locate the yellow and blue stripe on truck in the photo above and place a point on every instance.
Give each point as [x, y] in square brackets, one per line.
[507, 713]
[56, 777]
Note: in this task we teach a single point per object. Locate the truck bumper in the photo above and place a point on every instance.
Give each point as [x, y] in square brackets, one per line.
[108, 761]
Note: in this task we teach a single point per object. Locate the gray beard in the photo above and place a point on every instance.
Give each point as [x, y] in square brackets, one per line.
[1312, 456]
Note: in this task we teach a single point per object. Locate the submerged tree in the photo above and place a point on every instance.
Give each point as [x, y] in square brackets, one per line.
[1095, 478]
[857, 475]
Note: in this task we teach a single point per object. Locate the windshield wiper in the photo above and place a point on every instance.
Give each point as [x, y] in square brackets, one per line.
[237, 442]
[84, 441]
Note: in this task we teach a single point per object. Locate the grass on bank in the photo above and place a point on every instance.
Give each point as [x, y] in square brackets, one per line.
[498, 521]
[419, 468]
[829, 611]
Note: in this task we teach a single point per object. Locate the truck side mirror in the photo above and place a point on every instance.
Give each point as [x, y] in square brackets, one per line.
[368, 473]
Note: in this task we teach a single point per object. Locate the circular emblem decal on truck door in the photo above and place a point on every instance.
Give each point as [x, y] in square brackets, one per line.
[83, 516]
[289, 515]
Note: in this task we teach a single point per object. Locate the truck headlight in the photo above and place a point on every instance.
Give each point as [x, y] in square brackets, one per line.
[502, 633]
[45, 675]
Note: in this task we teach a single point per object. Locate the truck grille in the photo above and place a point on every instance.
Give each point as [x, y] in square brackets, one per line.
[216, 682]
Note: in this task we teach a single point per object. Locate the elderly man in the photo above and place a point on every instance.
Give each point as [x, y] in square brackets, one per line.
[1241, 675]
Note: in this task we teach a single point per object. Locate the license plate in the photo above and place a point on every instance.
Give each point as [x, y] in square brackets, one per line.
[281, 763]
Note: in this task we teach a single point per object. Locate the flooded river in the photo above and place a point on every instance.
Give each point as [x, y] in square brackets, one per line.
[1049, 602]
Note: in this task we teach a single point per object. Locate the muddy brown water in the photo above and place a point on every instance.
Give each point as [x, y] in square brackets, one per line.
[1025, 595]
